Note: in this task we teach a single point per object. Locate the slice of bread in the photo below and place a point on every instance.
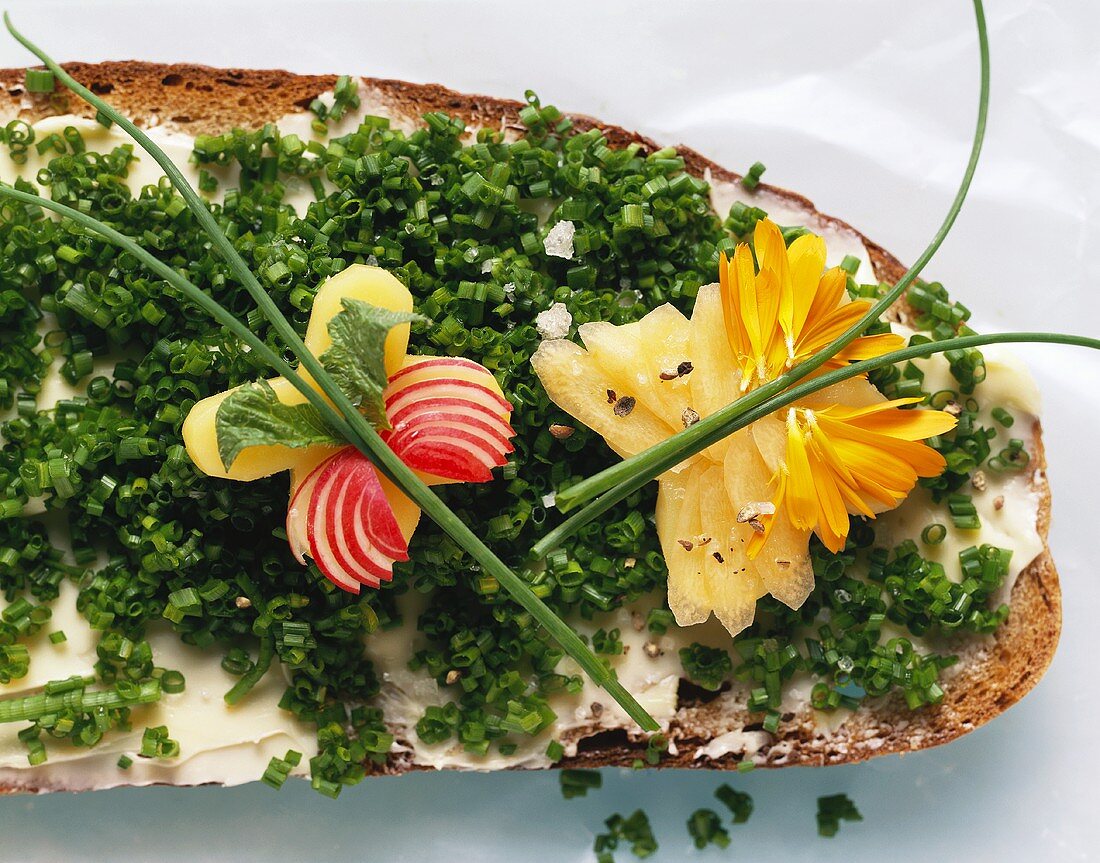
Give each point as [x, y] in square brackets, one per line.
[993, 673]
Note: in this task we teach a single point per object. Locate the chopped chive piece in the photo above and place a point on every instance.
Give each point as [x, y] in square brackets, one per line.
[555, 751]
[1002, 416]
[39, 81]
[832, 810]
[173, 682]
[155, 743]
[279, 769]
[705, 829]
[576, 783]
[706, 666]
[933, 534]
[58, 637]
[752, 177]
[850, 264]
[738, 802]
[634, 829]
[125, 762]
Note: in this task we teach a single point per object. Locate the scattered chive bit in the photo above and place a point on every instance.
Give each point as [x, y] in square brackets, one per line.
[746, 766]
[658, 620]
[933, 534]
[155, 743]
[705, 828]
[576, 783]
[555, 751]
[752, 177]
[635, 829]
[58, 637]
[39, 81]
[832, 810]
[279, 769]
[125, 762]
[707, 667]
[738, 802]
[850, 264]
[1002, 416]
[655, 749]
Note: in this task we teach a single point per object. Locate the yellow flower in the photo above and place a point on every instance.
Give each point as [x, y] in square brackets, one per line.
[735, 520]
[789, 308]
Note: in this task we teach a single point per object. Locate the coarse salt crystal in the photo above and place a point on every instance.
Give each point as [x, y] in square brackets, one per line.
[548, 500]
[559, 242]
[555, 322]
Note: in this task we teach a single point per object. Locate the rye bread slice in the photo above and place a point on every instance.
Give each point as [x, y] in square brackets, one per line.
[993, 673]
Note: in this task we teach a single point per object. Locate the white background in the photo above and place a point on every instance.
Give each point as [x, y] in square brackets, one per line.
[867, 107]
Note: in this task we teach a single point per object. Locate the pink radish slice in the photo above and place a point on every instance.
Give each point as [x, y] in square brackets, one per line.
[438, 362]
[468, 391]
[337, 529]
[452, 405]
[319, 547]
[443, 459]
[353, 533]
[297, 513]
[440, 422]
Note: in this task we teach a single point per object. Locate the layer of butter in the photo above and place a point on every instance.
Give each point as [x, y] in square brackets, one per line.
[233, 745]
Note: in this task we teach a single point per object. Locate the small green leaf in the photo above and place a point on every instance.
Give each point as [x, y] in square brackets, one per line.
[254, 416]
[356, 359]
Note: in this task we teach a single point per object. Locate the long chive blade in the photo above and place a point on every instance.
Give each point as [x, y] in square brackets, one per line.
[599, 483]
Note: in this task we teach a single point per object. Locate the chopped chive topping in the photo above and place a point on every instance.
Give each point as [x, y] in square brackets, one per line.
[707, 667]
[933, 534]
[279, 769]
[58, 637]
[125, 762]
[832, 810]
[39, 81]
[155, 743]
[576, 783]
[555, 751]
[634, 829]
[752, 177]
[1002, 416]
[738, 802]
[705, 828]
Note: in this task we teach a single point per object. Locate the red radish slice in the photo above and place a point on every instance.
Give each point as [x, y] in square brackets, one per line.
[297, 513]
[450, 363]
[353, 534]
[489, 434]
[452, 405]
[469, 391]
[448, 419]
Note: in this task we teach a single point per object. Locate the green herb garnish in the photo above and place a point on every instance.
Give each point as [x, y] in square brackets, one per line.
[832, 810]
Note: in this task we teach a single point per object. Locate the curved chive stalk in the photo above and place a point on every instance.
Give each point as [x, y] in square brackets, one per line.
[660, 458]
[360, 432]
[626, 470]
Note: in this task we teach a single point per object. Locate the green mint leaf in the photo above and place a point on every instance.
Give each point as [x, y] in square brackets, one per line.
[356, 359]
[254, 416]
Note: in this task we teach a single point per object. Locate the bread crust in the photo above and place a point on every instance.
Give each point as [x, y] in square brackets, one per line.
[994, 673]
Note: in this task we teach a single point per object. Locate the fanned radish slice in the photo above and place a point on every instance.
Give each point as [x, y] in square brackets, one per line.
[479, 413]
[439, 367]
[469, 391]
[448, 419]
[353, 534]
[297, 513]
